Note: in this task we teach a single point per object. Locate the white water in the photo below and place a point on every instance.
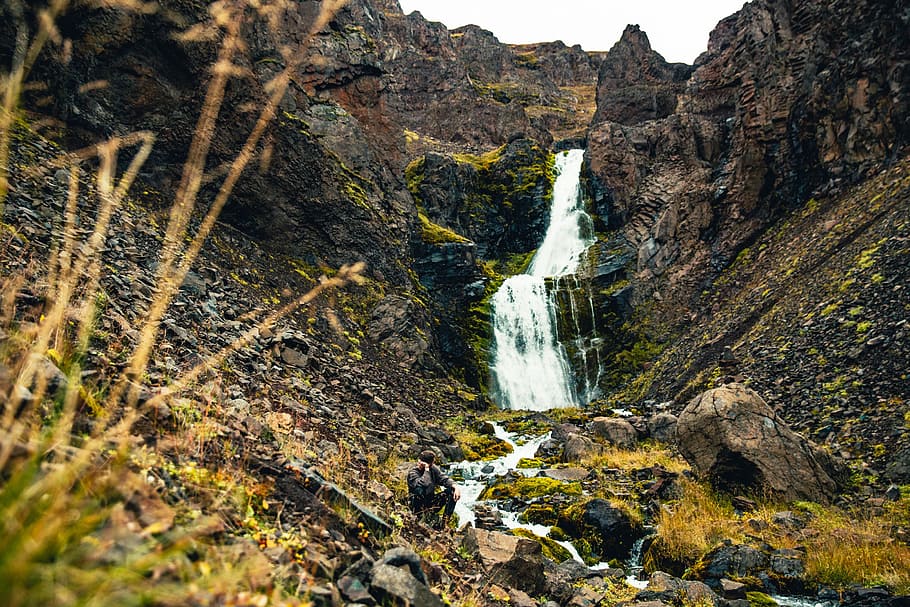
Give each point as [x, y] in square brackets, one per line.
[475, 479]
[530, 366]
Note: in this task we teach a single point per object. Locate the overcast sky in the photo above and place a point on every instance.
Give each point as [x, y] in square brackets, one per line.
[678, 30]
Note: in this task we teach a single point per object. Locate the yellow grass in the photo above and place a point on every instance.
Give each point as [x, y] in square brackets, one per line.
[688, 528]
[842, 551]
[644, 455]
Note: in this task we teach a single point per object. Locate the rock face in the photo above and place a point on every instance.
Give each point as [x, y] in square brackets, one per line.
[500, 200]
[789, 99]
[731, 437]
[374, 89]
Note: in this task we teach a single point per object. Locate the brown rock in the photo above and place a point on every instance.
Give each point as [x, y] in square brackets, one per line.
[509, 560]
[616, 431]
[733, 438]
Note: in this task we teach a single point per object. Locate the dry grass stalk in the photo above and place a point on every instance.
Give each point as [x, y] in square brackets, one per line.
[50, 501]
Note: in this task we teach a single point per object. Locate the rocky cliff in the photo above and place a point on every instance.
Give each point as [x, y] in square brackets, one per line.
[746, 162]
[790, 99]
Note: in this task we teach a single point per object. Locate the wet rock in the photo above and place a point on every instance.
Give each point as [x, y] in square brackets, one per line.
[731, 437]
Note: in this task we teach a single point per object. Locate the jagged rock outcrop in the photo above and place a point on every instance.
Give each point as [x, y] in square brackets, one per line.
[500, 200]
[789, 99]
[732, 438]
[374, 89]
[635, 84]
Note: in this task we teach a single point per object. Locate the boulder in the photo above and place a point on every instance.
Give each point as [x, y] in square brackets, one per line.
[663, 587]
[616, 530]
[618, 432]
[731, 437]
[735, 561]
[578, 447]
[662, 427]
[508, 560]
[399, 585]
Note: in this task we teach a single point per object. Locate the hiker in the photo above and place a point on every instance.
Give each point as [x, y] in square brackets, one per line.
[423, 481]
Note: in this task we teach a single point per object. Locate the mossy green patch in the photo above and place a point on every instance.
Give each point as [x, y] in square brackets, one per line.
[481, 447]
[539, 514]
[760, 599]
[433, 233]
[529, 488]
[550, 548]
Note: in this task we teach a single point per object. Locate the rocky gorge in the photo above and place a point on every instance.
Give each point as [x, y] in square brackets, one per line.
[747, 283]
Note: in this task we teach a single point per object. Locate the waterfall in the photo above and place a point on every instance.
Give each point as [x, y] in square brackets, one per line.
[530, 367]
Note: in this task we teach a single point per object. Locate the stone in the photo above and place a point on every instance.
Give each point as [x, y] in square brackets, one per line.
[390, 583]
[662, 427]
[566, 474]
[617, 432]
[731, 437]
[578, 447]
[509, 560]
[732, 590]
[617, 531]
[354, 590]
[404, 557]
[518, 598]
[734, 560]
[295, 358]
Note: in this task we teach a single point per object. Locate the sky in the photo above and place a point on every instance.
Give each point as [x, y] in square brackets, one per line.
[678, 30]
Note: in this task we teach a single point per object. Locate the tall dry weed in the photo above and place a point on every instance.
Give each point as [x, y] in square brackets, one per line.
[60, 493]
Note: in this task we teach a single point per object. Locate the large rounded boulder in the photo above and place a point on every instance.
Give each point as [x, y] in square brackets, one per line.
[732, 438]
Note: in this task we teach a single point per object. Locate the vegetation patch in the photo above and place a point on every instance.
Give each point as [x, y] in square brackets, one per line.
[528, 488]
[549, 547]
[433, 233]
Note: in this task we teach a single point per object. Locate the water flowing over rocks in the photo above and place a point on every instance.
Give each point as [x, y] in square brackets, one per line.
[732, 438]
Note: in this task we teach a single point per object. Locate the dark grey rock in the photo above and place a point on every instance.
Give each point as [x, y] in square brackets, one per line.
[390, 582]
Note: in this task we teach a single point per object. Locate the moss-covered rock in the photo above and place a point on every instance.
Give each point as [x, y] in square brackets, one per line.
[539, 514]
[528, 488]
[499, 199]
[549, 547]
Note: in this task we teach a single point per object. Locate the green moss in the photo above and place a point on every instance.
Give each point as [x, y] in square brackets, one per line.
[527, 60]
[482, 162]
[539, 514]
[531, 462]
[760, 599]
[414, 175]
[550, 548]
[528, 488]
[478, 447]
[433, 233]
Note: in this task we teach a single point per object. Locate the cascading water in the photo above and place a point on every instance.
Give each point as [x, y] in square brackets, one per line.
[530, 367]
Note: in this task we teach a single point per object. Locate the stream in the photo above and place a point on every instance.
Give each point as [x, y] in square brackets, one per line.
[473, 477]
